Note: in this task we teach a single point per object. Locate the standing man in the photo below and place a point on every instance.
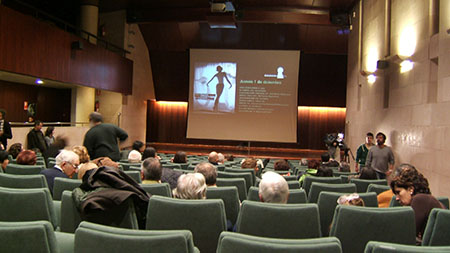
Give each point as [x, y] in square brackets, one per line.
[36, 139]
[380, 157]
[5, 130]
[363, 150]
[101, 139]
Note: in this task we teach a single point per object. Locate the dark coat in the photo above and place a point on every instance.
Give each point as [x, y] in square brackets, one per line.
[7, 134]
[50, 175]
[36, 140]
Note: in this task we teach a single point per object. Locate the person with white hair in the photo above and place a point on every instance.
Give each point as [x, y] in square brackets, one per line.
[221, 158]
[134, 156]
[190, 186]
[67, 163]
[273, 188]
[213, 158]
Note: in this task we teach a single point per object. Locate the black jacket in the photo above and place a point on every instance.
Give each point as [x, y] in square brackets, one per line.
[36, 140]
[7, 134]
[101, 141]
[105, 194]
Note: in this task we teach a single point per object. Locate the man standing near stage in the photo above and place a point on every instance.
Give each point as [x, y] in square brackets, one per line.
[380, 157]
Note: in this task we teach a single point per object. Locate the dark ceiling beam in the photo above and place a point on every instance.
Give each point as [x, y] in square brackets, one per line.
[314, 16]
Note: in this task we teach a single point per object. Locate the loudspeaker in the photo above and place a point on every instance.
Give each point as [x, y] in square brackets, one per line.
[339, 18]
[382, 64]
[77, 45]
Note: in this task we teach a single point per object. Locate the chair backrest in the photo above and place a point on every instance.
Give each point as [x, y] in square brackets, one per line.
[385, 247]
[239, 170]
[354, 226]
[136, 175]
[296, 196]
[135, 168]
[126, 165]
[19, 169]
[28, 236]
[236, 242]
[64, 184]
[294, 221]
[293, 185]
[230, 198]
[238, 182]
[70, 218]
[444, 201]
[172, 165]
[438, 228]
[22, 181]
[362, 184]
[51, 163]
[338, 173]
[291, 178]
[162, 189]
[245, 175]
[309, 180]
[204, 218]
[26, 205]
[377, 188]
[316, 188]
[327, 203]
[88, 235]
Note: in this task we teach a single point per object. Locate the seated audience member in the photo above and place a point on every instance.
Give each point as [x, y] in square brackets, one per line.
[384, 198]
[324, 171]
[273, 188]
[105, 161]
[66, 165]
[179, 157]
[221, 158]
[170, 176]
[368, 173]
[213, 158]
[3, 159]
[229, 157]
[151, 171]
[303, 162]
[282, 165]
[134, 156]
[313, 166]
[27, 157]
[411, 189]
[351, 200]
[82, 153]
[14, 150]
[49, 135]
[190, 186]
[150, 152]
[344, 167]
[139, 146]
[54, 149]
[327, 161]
[209, 171]
[250, 163]
[84, 168]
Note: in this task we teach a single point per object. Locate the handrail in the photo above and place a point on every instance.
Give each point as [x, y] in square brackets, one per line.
[78, 31]
[28, 124]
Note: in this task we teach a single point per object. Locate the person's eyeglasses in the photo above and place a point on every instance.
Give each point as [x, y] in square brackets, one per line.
[73, 165]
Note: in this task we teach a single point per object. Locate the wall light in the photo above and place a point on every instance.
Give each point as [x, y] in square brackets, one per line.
[371, 78]
[406, 66]
[39, 81]
[407, 42]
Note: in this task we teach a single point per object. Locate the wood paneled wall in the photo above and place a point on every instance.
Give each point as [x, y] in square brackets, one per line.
[31, 47]
[53, 105]
[167, 122]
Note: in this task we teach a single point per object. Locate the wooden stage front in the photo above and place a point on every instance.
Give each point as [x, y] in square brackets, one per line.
[238, 151]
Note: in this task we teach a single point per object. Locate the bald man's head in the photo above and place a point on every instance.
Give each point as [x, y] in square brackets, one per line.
[213, 157]
[273, 188]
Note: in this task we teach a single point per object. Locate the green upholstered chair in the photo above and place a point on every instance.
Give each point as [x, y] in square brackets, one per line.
[309, 180]
[395, 203]
[126, 165]
[354, 226]
[239, 170]
[18, 169]
[172, 166]
[33, 236]
[95, 238]
[377, 188]
[236, 242]
[327, 203]
[64, 184]
[362, 184]
[338, 173]
[437, 230]
[204, 218]
[294, 221]
[384, 247]
[245, 175]
[290, 178]
[296, 196]
[293, 185]
[23, 181]
[230, 198]
[238, 182]
[162, 189]
[136, 175]
[444, 201]
[27, 205]
[316, 188]
[344, 179]
[51, 164]
[135, 168]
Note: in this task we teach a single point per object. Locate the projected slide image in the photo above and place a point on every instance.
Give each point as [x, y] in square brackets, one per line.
[215, 87]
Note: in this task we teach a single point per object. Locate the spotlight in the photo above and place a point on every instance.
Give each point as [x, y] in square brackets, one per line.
[371, 78]
[39, 81]
[406, 66]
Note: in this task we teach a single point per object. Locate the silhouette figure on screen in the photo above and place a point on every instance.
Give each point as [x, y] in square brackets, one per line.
[219, 87]
[280, 74]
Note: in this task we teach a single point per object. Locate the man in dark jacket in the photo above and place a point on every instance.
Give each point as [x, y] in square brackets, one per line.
[5, 130]
[36, 138]
[67, 163]
[101, 139]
